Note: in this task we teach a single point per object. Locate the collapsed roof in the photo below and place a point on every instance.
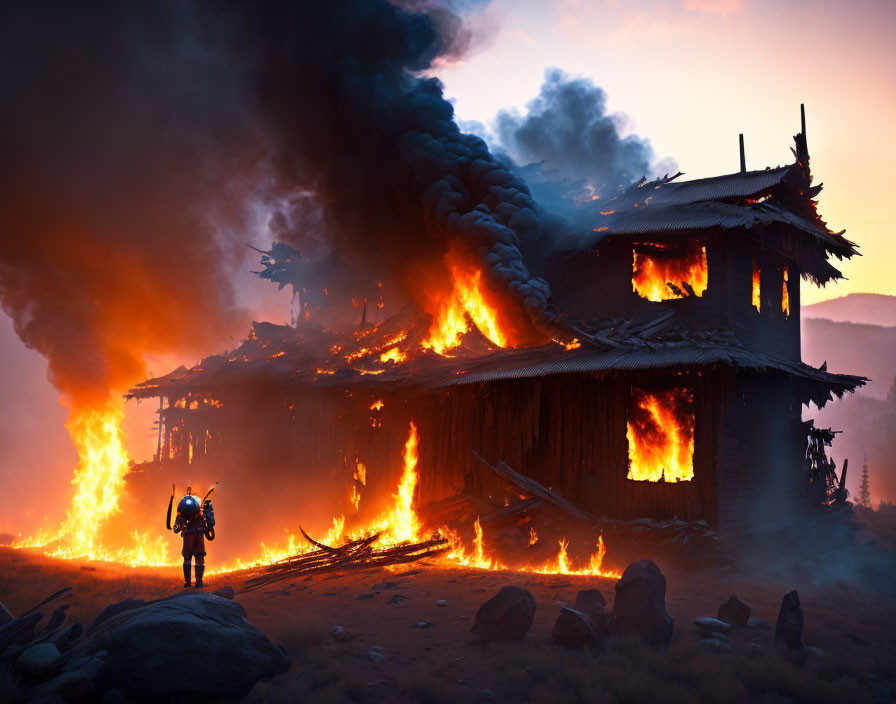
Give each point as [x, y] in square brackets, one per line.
[310, 356]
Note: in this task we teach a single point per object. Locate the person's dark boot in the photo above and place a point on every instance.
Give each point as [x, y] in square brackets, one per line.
[200, 570]
[186, 574]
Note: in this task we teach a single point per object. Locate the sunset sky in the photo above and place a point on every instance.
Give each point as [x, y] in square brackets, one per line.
[692, 74]
[688, 74]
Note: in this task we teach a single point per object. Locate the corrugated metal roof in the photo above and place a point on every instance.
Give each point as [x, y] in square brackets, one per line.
[737, 185]
[653, 219]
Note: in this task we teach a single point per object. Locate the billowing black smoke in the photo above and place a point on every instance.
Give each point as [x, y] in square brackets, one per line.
[131, 132]
[120, 135]
[337, 89]
[570, 149]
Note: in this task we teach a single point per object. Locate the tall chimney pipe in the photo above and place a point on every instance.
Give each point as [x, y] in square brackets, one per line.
[803, 119]
[743, 158]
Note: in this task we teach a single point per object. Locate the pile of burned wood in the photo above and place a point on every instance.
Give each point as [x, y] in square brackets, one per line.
[532, 509]
[355, 554]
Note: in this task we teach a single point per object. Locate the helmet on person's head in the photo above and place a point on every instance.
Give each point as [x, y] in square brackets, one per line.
[189, 506]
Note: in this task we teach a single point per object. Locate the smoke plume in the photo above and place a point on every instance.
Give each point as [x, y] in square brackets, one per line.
[569, 148]
[120, 134]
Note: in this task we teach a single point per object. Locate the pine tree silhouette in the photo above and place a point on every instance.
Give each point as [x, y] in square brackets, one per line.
[864, 491]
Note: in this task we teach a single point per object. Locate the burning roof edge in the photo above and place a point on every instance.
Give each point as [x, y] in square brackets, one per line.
[817, 385]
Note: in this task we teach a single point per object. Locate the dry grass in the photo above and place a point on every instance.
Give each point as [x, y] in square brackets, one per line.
[442, 664]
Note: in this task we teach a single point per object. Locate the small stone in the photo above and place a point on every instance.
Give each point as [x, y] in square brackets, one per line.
[715, 645]
[588, 600]
[735, 612]
[486, 695]
[722, 637]
[573, 629]
[39, 659]
[422, 624]
[789, 628]
[441, 602]
[760, 624]
[506, 616]
[225, 592]
[707, 626]
[339, 633]
[640, 604]
[366, 595]
[71, 686]
[374, 656]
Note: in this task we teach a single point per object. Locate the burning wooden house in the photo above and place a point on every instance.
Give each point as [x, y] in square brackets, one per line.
[681, 394]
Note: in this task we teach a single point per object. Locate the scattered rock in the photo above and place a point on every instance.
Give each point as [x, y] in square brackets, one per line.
[735, 612]
[374, 656]
[722, 637]
[5, 616]
[39, 659]
[760, 624]
[588, 600]
[339, 633]
[506, 616]
[71, 685]
[224, 592]
[789, 628]
[399, 599]
[366, 595]
[640, 604]
[422, 624]
[441, 602]
[486, 695]
[188, 645]
[715, 645]
[707, 626]
[573, 629]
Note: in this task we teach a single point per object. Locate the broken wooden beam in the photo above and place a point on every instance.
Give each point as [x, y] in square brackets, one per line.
[532, 488]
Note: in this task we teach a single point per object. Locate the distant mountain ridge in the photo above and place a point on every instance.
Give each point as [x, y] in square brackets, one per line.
[865, 308]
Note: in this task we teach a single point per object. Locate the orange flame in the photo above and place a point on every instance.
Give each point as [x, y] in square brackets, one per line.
[785, 295]
[756, 277]
[660, 436]
[652, 274]
[465, 304]
[99, 483]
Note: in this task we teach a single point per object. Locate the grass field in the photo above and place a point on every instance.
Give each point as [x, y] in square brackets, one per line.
[852, 622]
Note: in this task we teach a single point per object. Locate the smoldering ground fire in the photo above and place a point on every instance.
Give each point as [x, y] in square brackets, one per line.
[503, 331]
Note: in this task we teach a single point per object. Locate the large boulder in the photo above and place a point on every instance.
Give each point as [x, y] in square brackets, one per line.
[735, 612]
[573, 629]
[640, 604]
[789, 628]
[191, 645]
[506, 616]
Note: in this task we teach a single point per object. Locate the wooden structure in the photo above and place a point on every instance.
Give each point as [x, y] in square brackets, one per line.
[307, 400]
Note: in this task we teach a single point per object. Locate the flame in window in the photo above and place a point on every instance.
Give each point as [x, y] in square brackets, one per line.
[785, 295]
[661, 276]
[756, 277]
[660, 435]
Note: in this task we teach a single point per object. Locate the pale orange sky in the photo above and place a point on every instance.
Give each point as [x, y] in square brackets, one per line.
[692, 74]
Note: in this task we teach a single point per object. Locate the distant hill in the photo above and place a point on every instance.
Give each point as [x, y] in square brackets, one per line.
[851, 348]
[868, 308]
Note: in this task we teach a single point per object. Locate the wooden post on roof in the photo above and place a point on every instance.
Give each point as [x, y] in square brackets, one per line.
[743, 158]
